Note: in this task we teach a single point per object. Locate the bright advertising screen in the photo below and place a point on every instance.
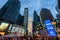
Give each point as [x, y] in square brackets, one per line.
[16, 28]
[3, 26]
[49, 28]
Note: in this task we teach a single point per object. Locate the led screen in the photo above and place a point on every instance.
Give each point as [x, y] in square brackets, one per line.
[16, 28]
[49, 28]
[3, 26]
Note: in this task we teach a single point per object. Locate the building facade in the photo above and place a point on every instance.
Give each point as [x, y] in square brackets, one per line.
[58, 17]
[12, 12]
[4, 8]
[20, 20]
[58, 4]
[26, 17]
[36, 20]
[30, 26]
[58, 10]
[36, 17]
[46, 15]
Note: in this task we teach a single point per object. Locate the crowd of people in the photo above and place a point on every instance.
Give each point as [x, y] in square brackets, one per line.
[29, 38]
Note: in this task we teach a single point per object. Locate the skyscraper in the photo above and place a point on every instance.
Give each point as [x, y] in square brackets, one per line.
[26, 17]
[36, 20]
[5, 7]
[20, 20]
[30, 26]
[58, 15]
[36, 17]
[46, 15]
[58, 10]
[59, 4]
[12, 12]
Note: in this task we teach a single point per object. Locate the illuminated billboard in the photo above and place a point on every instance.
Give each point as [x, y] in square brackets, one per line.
[3, 26]
[16, 28]
[10, 28]
[50, 28]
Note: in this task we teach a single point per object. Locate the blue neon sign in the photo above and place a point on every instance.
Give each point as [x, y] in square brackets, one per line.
[49, 28]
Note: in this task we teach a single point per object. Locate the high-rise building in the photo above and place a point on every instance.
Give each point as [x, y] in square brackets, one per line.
[59, 4]
[36, 20]
[20, 20]
[5, 7]
[30, 26]
[12, 12]
[26, 17]
[58, 10]
[58, 16]
[46, 15]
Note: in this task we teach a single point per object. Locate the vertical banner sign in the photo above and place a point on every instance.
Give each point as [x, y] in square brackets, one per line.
[50, 28]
